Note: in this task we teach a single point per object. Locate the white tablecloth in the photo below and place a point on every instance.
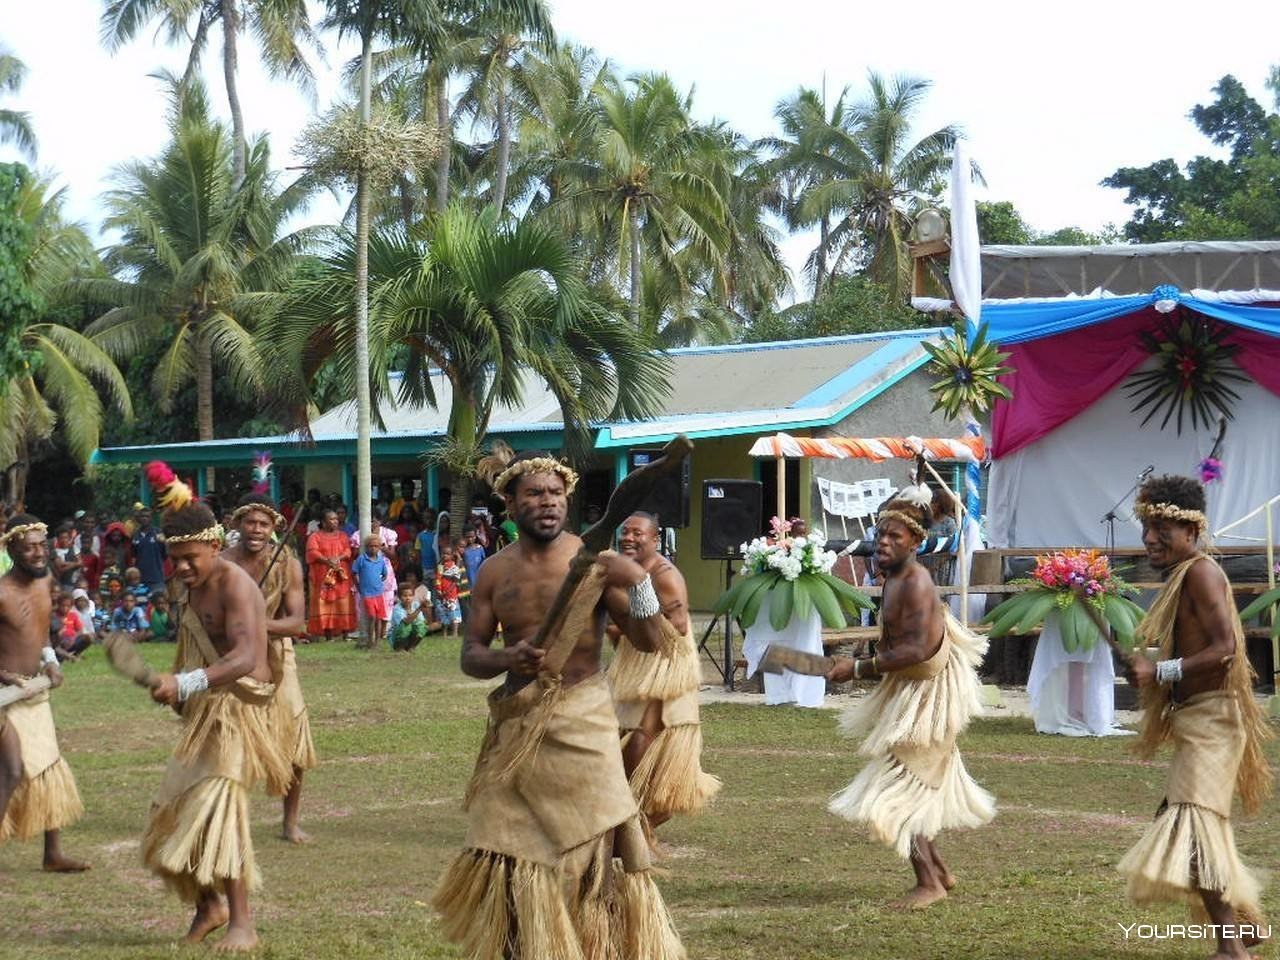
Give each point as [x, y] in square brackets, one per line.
[786, 687]
[1072, 693]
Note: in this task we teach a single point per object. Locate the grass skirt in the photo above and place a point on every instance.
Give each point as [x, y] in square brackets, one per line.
[294, 721]
[915, 783]
[47, 797]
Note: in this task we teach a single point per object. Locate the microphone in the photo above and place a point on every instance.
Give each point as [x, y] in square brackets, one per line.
[1148, 471]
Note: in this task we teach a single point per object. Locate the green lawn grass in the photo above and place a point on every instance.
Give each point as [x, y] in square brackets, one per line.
[765, 873]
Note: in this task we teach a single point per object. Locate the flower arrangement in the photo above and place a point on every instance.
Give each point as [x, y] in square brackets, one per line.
[796, 572]
[1065, 583]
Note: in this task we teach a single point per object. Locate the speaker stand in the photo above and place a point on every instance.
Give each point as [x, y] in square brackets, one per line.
[725, 667]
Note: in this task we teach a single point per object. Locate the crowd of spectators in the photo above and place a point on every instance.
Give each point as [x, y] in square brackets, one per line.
[109, 572]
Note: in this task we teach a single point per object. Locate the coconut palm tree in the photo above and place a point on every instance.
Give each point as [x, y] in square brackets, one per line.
[194, 257]
[816, 147]
[641, 183]
[66, 374]
[282, 28]
[892, 177]
[489, 305]
[15, 125]
[494, 41]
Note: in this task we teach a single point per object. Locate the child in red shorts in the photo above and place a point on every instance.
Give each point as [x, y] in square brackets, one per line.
[370, 572]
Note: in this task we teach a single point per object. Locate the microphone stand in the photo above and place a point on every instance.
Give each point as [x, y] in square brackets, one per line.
[1110, 517]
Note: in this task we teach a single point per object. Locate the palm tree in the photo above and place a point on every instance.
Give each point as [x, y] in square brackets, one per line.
[15, 125]
[815, 148]
[66, 373]
[282, 28]
[194, 257]
[496, 39]
[891, 178]
[641, 184]
[486, 304]
[422, 22]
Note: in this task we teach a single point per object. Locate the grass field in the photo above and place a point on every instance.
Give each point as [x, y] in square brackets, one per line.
[765, 873]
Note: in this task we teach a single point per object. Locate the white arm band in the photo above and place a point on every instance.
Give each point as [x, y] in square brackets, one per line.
[643, 600]
[48, 657]
[1168, 671]
[193, 681]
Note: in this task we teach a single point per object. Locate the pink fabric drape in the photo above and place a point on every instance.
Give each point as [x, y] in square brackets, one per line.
[1056, 378]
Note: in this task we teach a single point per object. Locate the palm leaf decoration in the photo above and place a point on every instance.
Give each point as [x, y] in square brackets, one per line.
[1193, 372]
[968, 372]
[830, 596]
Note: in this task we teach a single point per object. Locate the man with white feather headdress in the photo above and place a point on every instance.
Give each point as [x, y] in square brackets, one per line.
[915, 783]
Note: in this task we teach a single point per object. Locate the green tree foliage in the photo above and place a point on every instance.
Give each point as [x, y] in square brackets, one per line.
[15, 125]
[1213, 199]
[20, 305]
[852, 304]
[999, 222]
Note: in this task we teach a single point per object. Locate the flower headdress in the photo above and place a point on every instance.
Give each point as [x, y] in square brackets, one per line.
[498, 470]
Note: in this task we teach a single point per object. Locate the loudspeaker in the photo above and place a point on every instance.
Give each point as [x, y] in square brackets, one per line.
[669, 498]
[732, 514]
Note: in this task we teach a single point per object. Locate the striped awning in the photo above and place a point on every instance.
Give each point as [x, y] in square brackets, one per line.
[966, 449]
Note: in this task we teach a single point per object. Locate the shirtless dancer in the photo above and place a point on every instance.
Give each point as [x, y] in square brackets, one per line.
[1199, 697]
[915, 784]
[657, 693]
[197, 838]
[37, 791]
[551, 816]
[279, 576]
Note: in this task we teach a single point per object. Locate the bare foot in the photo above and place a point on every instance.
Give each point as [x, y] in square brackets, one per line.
[209, 917]
[238, 940]
[948, 880]
[295, 834]
[61, 864]
[918, 898]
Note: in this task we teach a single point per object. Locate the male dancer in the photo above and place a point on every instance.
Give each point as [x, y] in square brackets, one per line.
[556, 863]
[1200, 696]
[279, 575]
[915, 784]
[37, 791]
[656, 694]
[197, 837]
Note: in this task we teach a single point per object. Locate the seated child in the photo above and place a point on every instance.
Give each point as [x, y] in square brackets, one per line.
[133, 584]
[71, 641]
[130, 619]
[408, 621]
[162, 626]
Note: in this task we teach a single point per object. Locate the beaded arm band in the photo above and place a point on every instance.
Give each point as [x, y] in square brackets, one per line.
[643, 599]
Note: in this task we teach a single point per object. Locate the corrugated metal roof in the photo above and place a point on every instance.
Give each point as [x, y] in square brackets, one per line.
[733, 389]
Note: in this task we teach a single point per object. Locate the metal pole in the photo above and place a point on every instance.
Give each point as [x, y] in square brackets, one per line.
[782, 488]
[1271, 584]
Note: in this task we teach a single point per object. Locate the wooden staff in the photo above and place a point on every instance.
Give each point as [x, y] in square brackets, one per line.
[12, 693]
[627, 496]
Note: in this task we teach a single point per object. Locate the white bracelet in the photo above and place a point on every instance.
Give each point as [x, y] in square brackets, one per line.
[48, 657]
[193, 681]
[1168, 671]
[643, 599]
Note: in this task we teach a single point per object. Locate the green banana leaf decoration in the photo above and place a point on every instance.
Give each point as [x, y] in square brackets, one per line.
[1193, 372]
[1024, 611]
[827, 594]
[968, 372]
[1264, 602]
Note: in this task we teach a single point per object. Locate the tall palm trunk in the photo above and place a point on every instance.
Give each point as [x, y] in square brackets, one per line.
[364, 464]
[820, 269]
[445, 127]
[503, 158]
[464, 427]
[204, 395]
[633, 217]
[239, 145]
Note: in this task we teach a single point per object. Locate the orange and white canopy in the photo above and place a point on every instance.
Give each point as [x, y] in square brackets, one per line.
[965, 449]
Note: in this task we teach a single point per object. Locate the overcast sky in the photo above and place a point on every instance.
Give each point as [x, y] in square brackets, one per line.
[1051, 98]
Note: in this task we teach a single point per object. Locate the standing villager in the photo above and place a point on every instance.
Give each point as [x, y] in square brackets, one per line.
[333, 603]
[1199, 696]
[278, 574]
[656, 693]
[197, 838]
[915, 783]
[37, 790]
[556, 863]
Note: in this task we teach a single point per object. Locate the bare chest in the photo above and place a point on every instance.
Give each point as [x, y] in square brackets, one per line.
[24, 625]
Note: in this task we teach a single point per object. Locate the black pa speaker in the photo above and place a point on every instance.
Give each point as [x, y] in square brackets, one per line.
[732, 514]
[669, 498]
